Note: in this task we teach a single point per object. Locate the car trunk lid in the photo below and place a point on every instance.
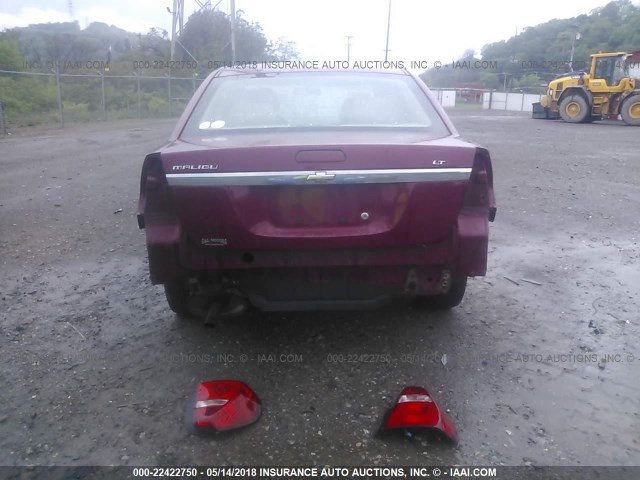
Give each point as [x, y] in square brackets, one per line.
[351, 193]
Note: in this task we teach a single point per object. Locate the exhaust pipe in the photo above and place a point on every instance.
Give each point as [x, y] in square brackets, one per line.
[225, 308]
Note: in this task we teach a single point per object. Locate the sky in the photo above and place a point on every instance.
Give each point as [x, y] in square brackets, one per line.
[420, 30]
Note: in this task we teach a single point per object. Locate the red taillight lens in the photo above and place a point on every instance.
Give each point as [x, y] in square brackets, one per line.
[415, 408]
[225, 404]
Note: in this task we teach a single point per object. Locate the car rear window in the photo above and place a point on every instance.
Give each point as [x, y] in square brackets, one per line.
[313, 100]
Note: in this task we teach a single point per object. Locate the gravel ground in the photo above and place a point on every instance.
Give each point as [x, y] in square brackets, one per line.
[96, 369]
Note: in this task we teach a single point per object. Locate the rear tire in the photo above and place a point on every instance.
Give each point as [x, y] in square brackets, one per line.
[178, 297]
[449, 300]
[574, 109]
[631, 111]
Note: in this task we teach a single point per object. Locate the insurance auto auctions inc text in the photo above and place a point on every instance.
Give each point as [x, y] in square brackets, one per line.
[373, 472]
[356, 65]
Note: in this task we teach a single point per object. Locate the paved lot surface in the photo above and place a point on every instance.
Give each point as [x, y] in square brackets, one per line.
[96, 369]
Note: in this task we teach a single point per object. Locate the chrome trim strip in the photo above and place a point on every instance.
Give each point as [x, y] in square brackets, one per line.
[211, 403]
[315, 177]
[415, 398]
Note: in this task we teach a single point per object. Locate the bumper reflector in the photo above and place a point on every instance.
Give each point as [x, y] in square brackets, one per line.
[415, 409]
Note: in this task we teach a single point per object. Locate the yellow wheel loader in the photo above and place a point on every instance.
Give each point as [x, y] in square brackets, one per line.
[605, 92]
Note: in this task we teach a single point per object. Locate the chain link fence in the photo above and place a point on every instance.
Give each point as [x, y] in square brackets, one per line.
[34, 98]
[40, 98]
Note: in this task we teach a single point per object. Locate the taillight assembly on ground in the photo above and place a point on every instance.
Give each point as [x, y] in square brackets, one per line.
[224, 405]
[416, 409]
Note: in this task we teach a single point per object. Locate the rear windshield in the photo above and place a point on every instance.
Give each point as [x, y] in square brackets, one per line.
[304, 100]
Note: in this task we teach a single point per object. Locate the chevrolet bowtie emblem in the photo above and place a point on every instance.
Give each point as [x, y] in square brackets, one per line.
[321, 176]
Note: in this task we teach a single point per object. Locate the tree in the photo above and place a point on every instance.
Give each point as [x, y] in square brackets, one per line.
[544, 50]
[467, 73]
[207, 36]
[283, 49]
[528, 81]
[10, 56]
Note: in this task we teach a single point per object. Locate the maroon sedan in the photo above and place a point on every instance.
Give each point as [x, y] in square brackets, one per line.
[292, 190]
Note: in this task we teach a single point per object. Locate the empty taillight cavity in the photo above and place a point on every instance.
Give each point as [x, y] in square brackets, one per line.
[480, 176]
[152, 172]
[482, 166]
[480, 188]
[155, 193]
[153, 182]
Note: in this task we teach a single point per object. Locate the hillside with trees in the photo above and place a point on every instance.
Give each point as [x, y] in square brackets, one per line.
[123, 74]
[542, 52]
[128, 68]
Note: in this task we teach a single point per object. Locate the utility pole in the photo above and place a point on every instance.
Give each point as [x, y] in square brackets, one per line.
[232, 6]
[349, 37]
[386, 50]
[177, 25]
[576, 36]
[178, 22]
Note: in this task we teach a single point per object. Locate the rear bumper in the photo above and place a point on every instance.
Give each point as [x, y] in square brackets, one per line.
[337, 285]
[463, 253]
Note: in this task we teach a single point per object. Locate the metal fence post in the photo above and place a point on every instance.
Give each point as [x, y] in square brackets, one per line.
[104, 105]
[169, 93]
[3, 121]
[138, 86]
[59, 91]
